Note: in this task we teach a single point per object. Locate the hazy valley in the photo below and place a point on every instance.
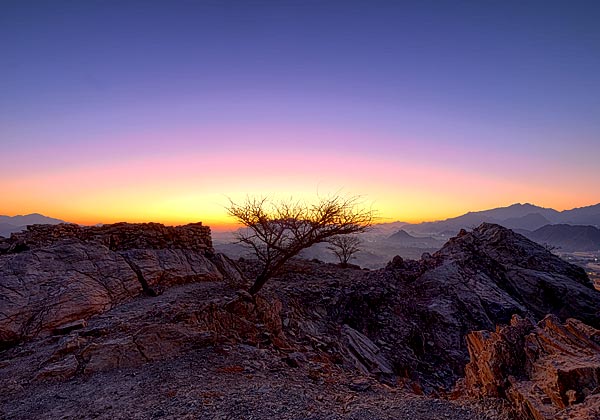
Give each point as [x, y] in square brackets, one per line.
[573, 234]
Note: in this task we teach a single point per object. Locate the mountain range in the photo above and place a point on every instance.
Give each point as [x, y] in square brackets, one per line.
[517, 216]
[11, 224]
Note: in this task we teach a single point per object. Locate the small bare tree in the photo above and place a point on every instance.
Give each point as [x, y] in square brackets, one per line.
[278, 231]
[344, 247]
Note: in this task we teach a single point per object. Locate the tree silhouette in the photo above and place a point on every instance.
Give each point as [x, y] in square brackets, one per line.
[278, 231]
[344, 247]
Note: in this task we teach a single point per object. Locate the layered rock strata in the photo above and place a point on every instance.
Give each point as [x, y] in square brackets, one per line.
[52, 275]
[548, 371]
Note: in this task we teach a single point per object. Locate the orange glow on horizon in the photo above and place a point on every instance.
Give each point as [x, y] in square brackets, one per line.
[177, 190]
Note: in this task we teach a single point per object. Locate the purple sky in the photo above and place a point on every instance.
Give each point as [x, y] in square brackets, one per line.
[502, 95]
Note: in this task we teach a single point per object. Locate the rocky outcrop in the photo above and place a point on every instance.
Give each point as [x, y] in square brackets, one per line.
[498, 273]
[548, 371]
[116, 237]
[53, 275]
[477, 280]
[417, 313]
[46, 288]
[157, 269]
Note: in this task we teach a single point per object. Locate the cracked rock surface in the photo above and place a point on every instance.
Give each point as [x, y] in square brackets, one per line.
[53, 275]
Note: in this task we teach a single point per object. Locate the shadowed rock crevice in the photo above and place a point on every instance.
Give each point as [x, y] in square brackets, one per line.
[140, 276]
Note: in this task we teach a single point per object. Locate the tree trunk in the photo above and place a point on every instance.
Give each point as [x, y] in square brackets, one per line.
[258, 283]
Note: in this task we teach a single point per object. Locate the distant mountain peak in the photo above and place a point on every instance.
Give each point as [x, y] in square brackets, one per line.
[402, 234]
[12, 224]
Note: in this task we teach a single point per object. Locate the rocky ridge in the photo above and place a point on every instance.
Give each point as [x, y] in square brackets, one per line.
[402, 327]
[420, 311]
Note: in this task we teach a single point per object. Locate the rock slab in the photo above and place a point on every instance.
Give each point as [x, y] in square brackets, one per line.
[52, 276]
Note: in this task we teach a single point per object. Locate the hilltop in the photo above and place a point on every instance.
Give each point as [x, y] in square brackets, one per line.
[148, 313]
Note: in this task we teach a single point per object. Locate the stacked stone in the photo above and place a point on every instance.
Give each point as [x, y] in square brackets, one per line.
[117, 237]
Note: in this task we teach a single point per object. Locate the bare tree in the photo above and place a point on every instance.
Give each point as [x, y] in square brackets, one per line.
[344, 247]
[278, 231]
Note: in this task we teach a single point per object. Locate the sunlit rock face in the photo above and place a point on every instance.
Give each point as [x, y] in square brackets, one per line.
[547, 371]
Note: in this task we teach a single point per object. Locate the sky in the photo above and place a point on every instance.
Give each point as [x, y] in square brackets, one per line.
[164, 110]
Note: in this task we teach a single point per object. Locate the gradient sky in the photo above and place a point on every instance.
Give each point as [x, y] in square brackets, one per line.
[160, 110]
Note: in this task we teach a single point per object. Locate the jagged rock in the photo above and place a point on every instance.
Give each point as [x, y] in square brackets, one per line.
[407, 320]
[166, 267]
[62, 369]
[422, 310]
[266, 315]
[502, 273]
[495, 356]
[365, 354]
[150, 330]
[547, 371]
[475, 282]
[230, 271]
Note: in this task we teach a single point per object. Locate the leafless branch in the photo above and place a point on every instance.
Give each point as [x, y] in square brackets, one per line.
[278, 231]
